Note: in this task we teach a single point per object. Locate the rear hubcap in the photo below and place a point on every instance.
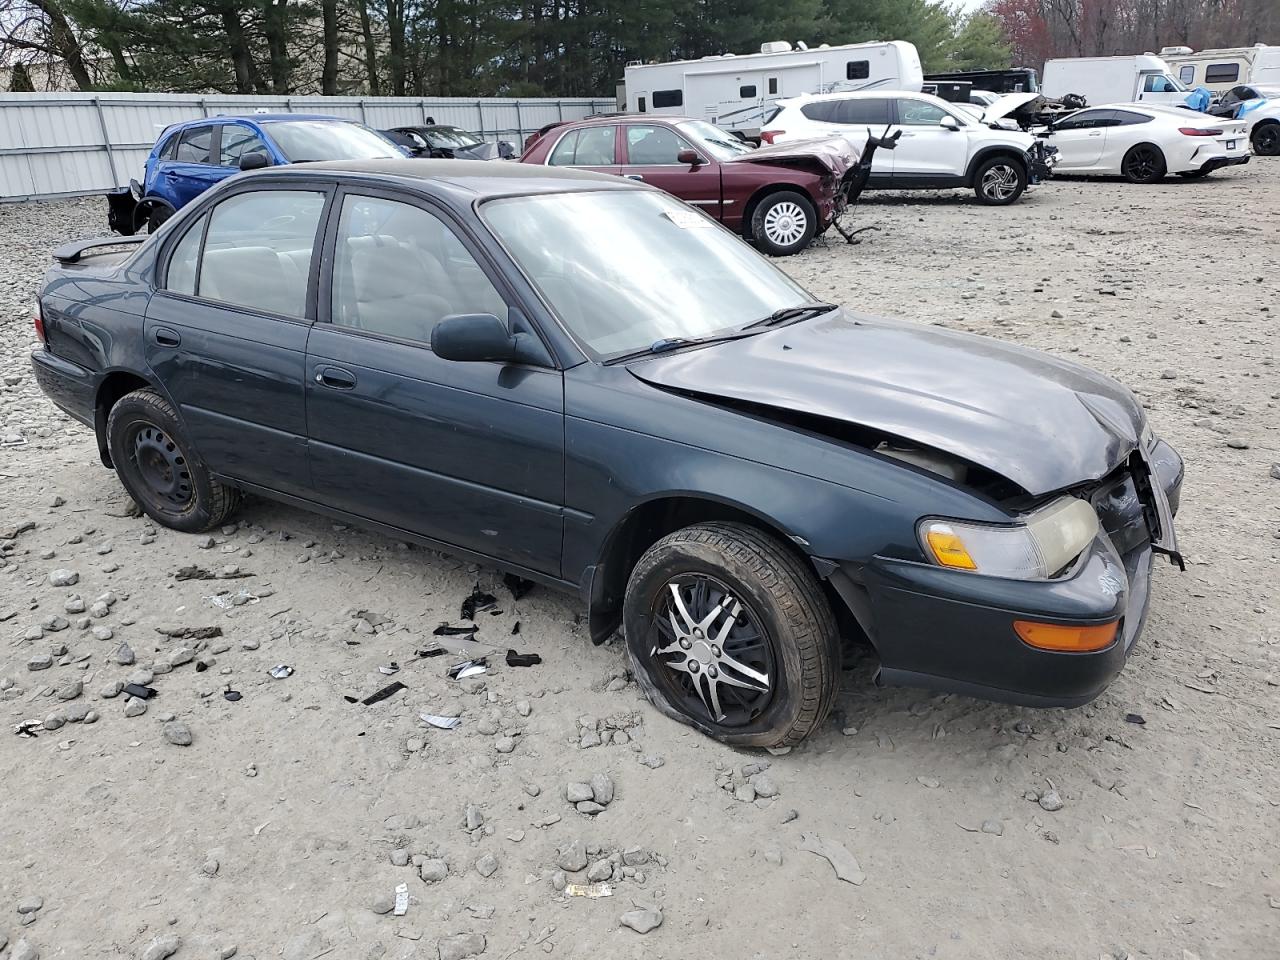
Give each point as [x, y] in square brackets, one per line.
[711, 653]
[162, 466]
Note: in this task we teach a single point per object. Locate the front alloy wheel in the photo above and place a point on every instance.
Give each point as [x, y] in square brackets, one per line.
[728, 630]
[1000, 181]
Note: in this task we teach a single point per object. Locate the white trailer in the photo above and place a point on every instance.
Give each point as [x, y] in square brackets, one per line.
[1222, 69]
[736, 92]
[1143, 78]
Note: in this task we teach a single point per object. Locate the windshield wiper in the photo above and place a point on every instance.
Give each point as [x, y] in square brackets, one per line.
[667, 344]
[791, 313]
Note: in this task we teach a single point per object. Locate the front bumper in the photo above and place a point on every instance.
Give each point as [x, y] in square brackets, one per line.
[951, 630]
[1041, 159]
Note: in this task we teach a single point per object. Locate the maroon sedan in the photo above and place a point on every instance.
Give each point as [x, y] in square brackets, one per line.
[779, 196]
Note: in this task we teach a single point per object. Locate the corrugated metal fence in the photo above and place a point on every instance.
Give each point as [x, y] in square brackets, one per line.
[74, 144]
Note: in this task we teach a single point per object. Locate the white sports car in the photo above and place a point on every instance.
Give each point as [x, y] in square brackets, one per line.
[1143, 142]
[1262, 121]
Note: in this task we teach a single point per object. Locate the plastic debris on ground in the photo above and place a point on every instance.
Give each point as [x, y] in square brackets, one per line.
[231, 695]
[402, 899]
[444, 630]
[469, 668]
[281, 670]
[593, 890]
[389, 668]
[226, 601]
[443, 723]
[139, 691]
[378, 695]
[27, 729]
[478, 602]
[189, 633]
[522, 659]
[1135, 718]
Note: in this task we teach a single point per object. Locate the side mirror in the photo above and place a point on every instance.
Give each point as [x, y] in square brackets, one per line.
[690, 157]
[254, 161]
[469, 337]
[949, 123]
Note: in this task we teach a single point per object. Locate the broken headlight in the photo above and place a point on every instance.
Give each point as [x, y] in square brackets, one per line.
[1040, 545]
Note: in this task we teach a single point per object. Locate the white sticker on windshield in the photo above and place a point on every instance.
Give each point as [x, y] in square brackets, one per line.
[687, 219]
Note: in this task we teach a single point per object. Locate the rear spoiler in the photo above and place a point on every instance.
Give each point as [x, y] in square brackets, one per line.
[73, 252]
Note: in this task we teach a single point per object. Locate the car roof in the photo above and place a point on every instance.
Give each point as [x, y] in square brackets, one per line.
[459, 177]
[258, 118]
[860, 95]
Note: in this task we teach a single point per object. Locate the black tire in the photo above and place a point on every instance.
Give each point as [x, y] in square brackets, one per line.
[156, 216]
[784, 223]
[1144, 163]
[150, 454]
[1265, 139]
[777, 597]
[999, 181]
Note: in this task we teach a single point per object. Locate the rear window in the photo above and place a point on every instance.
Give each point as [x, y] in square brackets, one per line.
[668, 98]
[823, 111]
[588, 147]
[195, 145]
[1222, 73]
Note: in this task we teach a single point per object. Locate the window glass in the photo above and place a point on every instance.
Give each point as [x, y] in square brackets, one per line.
[182, 262]
[194, 145]
[1222, 73]
[721, 144]
[451, 137]
[1084, 120]
[919, 113]
[257, 252]
[653, 145]
[773, 85]
[588, 147]
[238, 140]
[642, 110]
[1125, 118]
[399, 270]
[303, 141]
[747, 92]
[1187, 74]
[668, 98]
[1159, 83]
[857, 69]
[665, 272]
[824, 111]
[863, 111]
[170, 148]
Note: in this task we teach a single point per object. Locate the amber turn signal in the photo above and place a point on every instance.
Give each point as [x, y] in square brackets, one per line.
[1055, 636]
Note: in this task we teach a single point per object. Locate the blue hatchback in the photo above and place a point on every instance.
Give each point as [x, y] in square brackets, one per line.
[190, 157]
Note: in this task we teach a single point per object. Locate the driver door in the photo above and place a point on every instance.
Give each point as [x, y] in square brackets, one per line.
[1080, 139]
[927, 152]
[649, 154]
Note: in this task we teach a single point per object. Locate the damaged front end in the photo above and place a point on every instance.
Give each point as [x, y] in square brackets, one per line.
[122, 209]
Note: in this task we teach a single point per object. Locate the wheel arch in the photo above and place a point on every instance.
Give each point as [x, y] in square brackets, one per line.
[605, 581]
[146, 205]
[749, 211]
[114, 385]
[992, 152]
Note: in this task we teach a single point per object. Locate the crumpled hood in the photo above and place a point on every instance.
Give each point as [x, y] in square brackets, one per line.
[835, 153]
[1044, 423]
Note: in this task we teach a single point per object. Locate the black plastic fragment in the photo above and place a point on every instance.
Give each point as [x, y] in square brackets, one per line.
[477, 602]
[515, 628]
[518, 586]
[379, 695]
[139, 691]
[522, 659]
[350, 699]
[435, 652]
[201, 666]
[1135, 718]
[444, 630]
[231, 695]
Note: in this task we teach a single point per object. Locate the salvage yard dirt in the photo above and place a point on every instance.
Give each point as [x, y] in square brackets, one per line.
[279, 824]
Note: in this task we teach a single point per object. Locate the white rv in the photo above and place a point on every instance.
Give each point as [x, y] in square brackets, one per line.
[1144, 78]
[1220, 70]
[735, 92]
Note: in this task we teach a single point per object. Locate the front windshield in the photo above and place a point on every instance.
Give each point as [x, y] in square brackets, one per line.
[304, 141]
[451, 137]
[625, 269]
[721, 144]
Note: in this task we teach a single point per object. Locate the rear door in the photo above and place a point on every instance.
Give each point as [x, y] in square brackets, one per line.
[1081, 138]
[469, 454]
[226, 332]
[588, 148]
[649, 154]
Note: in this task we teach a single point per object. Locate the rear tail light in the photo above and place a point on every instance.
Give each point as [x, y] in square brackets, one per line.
[768, 135]
[37, 318]
[1200, 131]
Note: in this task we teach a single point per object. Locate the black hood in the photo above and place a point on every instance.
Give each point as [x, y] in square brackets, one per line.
[1044, 423]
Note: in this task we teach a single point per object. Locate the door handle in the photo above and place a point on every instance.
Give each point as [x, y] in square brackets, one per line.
[634, 176]
[335, 377]
[165, 337]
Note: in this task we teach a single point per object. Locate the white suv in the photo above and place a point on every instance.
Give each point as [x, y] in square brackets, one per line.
[941, 145]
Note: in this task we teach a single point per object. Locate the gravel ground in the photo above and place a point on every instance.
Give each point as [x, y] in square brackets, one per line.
[285, 824]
